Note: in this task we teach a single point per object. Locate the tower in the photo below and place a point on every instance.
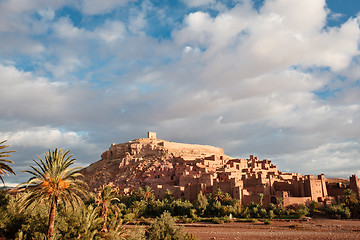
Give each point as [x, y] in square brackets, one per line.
[152, 135]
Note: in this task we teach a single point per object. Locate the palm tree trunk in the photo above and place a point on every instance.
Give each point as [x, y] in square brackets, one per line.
[104, 214]
[51, 228]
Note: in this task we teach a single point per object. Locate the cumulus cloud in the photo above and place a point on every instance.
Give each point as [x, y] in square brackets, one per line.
[274, 81]
[197, 3]
[43, 137]
[94, 7]
[27, 95]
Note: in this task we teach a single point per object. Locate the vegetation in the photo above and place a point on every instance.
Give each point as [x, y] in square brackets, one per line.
[164, 228]
[54, 182]
[4, 167]
[50, 206]
[105, 199]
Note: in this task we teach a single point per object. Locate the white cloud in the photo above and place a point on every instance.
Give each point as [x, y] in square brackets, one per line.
[198, 3]
[94, 7]
[14, 14]
[112, 31]
[65, 29]
[338, 159]
[238, 78]
[43, 137]
[26, 95]
[47, 14]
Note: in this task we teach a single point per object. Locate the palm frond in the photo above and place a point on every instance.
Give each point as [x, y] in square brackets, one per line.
[4, 168]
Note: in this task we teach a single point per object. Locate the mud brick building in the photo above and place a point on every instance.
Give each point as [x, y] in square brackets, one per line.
[187, 169]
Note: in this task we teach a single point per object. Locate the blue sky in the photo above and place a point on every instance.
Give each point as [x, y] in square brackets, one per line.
[274, 78]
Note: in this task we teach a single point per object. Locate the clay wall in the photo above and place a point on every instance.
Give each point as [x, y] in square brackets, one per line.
[251, 198]
[313, 188]
[238, 164]
[296, 200]
[355, 185]
[192, 149]
[160, 190]
[192, 190]
[251, 182]
[224, 186]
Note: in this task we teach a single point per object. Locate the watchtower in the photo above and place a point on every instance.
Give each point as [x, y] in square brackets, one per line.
[152, 135]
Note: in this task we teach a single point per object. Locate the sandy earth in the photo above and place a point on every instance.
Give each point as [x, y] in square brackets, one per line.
[279, 229]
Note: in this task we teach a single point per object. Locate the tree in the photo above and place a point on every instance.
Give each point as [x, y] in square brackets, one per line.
[169, 195]
[164, 228]
[261, 197]
[350, 200]
[201, 203]
[4, 168]
[218, 195]
[54, 182]
[148, 194]
[104, 199]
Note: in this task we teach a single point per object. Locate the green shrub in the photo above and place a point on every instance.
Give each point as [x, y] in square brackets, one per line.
[190, 236]
[129, 217]
[271, 214]
[137, 233]
[164, 228]
[313, 207]
[246, 213]
[262, 213]
[227, 219]
[217, 220]
[338, 211]
[302, 211]
[201, 203]
[181, 208]
[267, 222]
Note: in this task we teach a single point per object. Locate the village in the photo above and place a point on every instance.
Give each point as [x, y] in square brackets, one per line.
[188, 169]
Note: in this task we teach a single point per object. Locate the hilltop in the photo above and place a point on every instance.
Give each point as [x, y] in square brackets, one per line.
[187, 169]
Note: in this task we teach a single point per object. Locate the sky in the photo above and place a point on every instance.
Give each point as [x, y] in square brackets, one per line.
[279, 79]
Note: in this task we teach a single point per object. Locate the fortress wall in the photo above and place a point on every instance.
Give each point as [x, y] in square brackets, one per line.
[296, 200]
[182, 148]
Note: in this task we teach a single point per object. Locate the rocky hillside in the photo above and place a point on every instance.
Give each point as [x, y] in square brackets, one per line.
[151, 162]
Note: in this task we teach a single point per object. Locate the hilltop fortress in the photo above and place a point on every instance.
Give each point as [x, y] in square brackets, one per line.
[187, 169]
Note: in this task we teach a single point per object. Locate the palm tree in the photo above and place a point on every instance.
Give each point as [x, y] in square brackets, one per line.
[90, 220]
[169, 196]
[54, 182]
[105, 198]
[350, 200]
[4, 168]
[261, 197]
[148, 194]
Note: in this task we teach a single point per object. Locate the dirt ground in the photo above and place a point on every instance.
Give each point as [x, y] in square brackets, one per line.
[279, 229]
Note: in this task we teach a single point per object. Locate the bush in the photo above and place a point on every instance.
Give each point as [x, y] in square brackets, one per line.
[262, 213]
[181, 208]
[313, 207]
[302, 211]
[201, 203]
[271, 214]
[217, 220]
[338, 211]
[137, 233]
[164, 228]
[129, 217]
[267, 222]
[280, 211]
[29, 224]
[246, 213]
